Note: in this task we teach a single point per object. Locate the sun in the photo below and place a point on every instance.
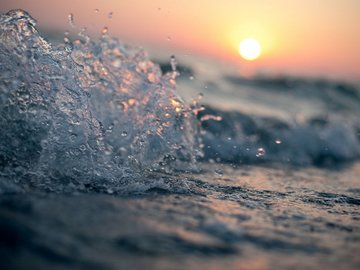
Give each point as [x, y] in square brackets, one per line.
[249, 49]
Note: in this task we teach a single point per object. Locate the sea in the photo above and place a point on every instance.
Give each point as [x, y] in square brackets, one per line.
[112, 158]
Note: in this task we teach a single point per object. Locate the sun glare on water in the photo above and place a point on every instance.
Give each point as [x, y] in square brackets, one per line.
[249, 49]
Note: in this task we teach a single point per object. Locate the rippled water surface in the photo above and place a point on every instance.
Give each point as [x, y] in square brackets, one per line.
[258, 218]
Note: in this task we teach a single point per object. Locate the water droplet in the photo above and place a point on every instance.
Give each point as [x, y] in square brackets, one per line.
[260, 152]
[124, 134]
[71, 20]
[110, 15]
[278, 141]
[200, 95]
[105, 31]
[168, 38]
[173, 63]
[191, 77]
[96, 10]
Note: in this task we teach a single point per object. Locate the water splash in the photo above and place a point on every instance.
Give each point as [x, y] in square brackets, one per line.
[99, 113]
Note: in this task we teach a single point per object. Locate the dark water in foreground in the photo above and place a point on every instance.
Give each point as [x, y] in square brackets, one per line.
[253, 218]
[104, 166]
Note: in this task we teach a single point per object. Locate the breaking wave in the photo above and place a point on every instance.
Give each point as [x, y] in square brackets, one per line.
[86, 112]
[99, 115]
[240, 138]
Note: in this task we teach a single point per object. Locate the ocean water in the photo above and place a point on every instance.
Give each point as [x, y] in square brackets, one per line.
[110, 160]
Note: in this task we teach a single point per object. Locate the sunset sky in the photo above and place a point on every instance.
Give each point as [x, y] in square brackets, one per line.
[308, 37]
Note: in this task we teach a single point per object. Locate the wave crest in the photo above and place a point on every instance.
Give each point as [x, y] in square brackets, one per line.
[86, 111]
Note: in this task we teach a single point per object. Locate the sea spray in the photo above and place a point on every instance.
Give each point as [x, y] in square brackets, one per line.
[86, 113]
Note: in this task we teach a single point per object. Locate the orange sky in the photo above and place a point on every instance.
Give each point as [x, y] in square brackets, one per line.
[308, 37]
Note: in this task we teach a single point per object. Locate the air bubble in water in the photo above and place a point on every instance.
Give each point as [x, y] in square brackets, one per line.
[110, 15]
[278, 141]
[260, 152]
[124, 134]
[96, 10]
[191, 77]
[73, 137]
[82, 147]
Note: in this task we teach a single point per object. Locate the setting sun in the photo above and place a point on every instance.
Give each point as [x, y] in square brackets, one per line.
[249, 49]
